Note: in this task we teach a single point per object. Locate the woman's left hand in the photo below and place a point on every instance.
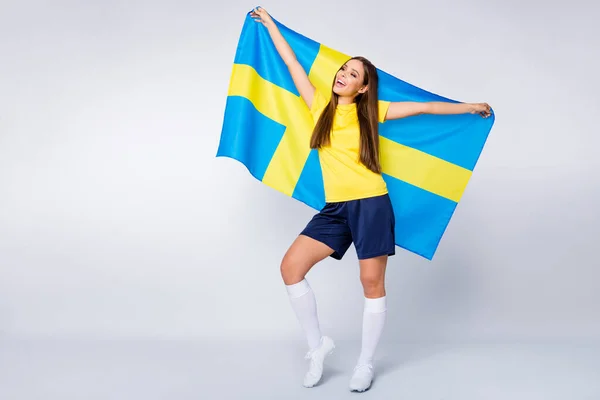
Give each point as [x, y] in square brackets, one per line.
[482, 109]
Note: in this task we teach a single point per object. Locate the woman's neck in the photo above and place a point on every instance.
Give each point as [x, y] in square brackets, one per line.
[345, 100]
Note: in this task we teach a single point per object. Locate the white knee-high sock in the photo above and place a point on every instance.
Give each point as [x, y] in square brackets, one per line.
[374, 315]
[304, 304]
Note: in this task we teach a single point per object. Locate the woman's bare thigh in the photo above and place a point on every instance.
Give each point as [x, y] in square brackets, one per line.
[302, 255]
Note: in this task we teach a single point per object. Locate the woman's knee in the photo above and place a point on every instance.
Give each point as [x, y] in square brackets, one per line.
[371, 280]
[373, 284]
[293, 269]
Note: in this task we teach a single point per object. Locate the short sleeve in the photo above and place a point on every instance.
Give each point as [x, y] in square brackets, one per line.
[318, 105]
[383, 109]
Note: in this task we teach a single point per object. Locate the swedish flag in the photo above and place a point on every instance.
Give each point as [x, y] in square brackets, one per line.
[427, 160]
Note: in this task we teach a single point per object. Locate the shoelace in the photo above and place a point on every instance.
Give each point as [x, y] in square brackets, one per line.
[309, 354]
[313, 362]
[362, 366]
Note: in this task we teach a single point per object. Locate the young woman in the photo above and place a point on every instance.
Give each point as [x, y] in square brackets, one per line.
[358, 209]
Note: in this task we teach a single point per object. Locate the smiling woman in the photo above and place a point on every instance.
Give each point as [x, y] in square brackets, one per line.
[358, 209]
[354, 84]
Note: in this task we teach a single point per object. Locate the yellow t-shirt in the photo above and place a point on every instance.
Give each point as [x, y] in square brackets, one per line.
[345, 178]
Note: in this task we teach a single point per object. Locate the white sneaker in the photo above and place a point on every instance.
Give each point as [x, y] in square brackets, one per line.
[317, 357]
[362, 378]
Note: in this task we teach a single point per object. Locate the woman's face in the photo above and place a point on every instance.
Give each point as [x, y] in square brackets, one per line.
[349, 80]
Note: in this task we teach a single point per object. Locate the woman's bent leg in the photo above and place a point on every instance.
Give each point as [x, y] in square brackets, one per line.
[304, 253]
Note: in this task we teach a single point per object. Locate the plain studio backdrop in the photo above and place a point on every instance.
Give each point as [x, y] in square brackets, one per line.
[118, 221]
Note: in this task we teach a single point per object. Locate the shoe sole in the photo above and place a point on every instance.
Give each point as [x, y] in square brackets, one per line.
[360, 391]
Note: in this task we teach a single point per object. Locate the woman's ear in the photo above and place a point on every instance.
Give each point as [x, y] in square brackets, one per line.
[363, 89]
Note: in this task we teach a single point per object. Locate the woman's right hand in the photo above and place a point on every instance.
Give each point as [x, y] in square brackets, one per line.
[303, 84]
[261, 15]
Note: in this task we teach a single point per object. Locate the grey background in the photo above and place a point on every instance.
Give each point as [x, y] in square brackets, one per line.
[118, 222]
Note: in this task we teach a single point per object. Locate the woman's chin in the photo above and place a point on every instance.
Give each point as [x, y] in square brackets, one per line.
[339, 91]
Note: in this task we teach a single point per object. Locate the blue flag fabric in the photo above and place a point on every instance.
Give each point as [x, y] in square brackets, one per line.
[427, 160]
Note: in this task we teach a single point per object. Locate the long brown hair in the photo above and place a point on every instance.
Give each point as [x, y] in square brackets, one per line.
[367, 109]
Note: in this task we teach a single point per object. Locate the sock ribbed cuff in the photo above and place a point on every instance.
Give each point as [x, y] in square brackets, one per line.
[376, 306]
[298, 289]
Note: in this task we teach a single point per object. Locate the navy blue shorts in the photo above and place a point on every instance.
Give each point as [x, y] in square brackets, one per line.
[368, 223]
